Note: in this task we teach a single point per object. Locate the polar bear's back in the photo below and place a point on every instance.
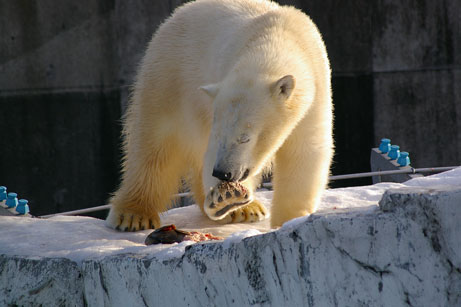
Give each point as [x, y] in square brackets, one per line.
[202, 40]
[200, 34]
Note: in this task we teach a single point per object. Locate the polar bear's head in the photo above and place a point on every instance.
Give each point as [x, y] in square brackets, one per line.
[251, 120]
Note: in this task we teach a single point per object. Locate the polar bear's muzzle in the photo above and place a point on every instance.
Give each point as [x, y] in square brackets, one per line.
[228, 175]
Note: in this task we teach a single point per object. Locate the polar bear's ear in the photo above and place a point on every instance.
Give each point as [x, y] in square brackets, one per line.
[284, 86]
[210, 89]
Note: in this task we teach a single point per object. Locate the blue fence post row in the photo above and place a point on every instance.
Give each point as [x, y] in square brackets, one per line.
[389, 157]
[10, 202]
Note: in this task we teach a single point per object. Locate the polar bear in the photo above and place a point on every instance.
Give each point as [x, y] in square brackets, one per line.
[228, 90]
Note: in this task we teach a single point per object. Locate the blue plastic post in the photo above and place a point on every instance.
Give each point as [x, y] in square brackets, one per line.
[12, 200]
[23, 207]
[394, 153]
[385, 145]
[2, 193]
[404, 159]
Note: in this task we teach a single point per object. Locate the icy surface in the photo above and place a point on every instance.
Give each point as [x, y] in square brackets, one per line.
[352, 252]
[79, 238]
[237, 237]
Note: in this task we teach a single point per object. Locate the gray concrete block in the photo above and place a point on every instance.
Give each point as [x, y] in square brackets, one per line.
[134, 24]
[457, 107]
[346, 29]
[381, 162]
[51, 282]
[415, 34]
[5, 212]
[57, 45]
[454, 11]
[60, 150]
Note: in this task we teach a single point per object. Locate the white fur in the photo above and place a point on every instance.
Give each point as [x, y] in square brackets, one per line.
[233, 85]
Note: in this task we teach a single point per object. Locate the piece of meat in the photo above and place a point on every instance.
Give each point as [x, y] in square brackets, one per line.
[199, 236]
[170, 234]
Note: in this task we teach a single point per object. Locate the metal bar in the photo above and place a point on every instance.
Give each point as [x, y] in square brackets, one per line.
[381, 173]
[81, 211]
[269, 185]
[99, 208]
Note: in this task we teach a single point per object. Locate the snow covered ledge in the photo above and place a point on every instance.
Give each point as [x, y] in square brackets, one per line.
[407, 252]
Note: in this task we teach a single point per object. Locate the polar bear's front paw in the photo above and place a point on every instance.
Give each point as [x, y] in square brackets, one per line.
[253, 212]
[125, 219]
[225, 198]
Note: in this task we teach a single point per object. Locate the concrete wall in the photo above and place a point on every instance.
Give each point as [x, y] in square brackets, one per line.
[65, 71]
[396, 74]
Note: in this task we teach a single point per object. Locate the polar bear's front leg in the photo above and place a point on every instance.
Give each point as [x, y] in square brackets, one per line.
[148, 183]
[299, 181]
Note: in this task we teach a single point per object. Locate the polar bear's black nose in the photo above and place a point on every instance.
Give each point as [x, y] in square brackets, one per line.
[222, 175]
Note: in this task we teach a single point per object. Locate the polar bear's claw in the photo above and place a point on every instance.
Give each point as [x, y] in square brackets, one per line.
[127, 220]
[253, 212]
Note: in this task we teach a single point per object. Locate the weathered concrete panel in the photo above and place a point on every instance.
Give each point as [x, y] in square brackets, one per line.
[457, 105]
[420, 112]
[346, 27]
[415, 34]
[68, 45]
[65, 69]
[60, 150]
[61, 45]
[40, 282]
[134, 24]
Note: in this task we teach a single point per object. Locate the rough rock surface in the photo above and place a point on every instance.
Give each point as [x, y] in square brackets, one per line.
[407, 252]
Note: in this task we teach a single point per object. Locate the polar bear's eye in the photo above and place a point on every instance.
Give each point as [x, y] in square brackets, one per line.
[244, 138]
